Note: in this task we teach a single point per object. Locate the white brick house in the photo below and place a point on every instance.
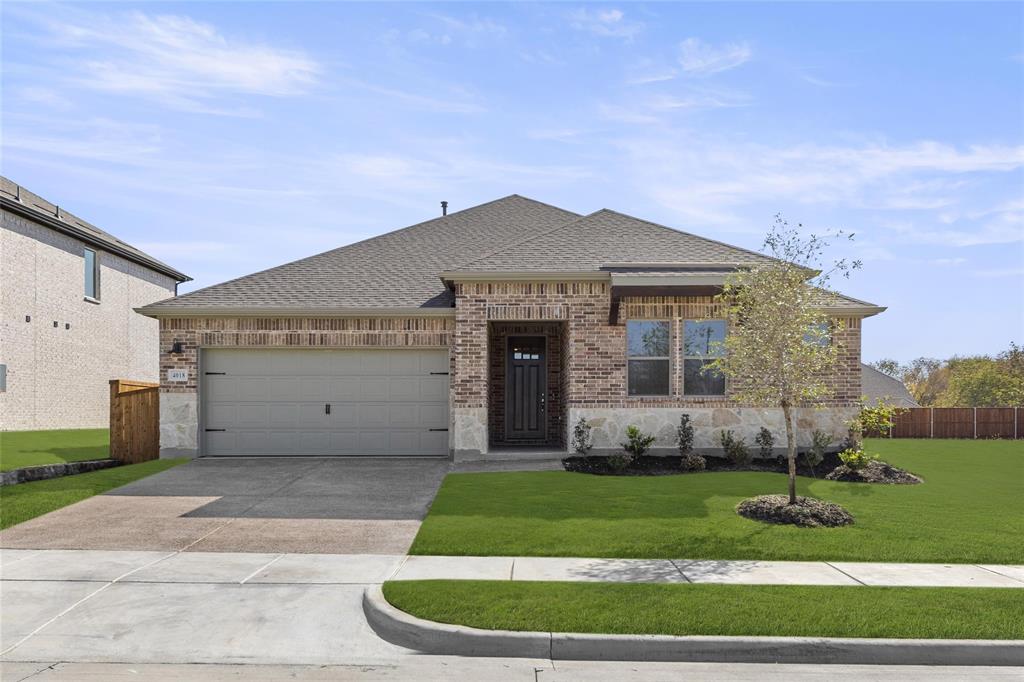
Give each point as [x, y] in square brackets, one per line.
[67, 321]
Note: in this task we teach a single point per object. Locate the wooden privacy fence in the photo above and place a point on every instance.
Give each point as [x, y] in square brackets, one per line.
[958, 422]
[134, 420]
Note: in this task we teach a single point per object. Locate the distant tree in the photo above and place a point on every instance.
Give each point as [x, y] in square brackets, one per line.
[984, 382]
[926, 379]
[889, 367]
[779, 351]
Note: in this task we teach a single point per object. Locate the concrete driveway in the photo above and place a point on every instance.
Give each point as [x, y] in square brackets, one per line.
[268, 505]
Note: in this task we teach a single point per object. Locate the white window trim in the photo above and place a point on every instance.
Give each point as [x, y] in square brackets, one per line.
[671, 362]
[684, 357]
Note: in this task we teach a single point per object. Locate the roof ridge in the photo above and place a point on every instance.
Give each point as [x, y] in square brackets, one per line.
[690, 234]
[509, 245]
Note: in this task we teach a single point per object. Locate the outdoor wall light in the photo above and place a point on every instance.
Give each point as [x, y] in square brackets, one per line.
[177, 347]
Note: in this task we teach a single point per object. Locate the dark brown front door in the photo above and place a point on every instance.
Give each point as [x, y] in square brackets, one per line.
[526, 388]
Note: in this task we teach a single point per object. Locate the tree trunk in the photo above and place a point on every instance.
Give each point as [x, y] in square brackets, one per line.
[790, 451]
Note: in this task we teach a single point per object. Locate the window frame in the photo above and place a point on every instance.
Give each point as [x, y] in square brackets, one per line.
[95, 274]
[669, 357]
[683, 357]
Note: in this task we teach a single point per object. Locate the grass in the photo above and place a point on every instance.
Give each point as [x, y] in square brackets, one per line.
[28, 448]
[968, 510]
[752, 610]
[25, 501]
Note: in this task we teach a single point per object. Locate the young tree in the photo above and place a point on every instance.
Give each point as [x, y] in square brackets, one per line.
[779, 350]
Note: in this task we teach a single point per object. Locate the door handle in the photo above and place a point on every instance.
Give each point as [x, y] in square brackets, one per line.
[327, 408]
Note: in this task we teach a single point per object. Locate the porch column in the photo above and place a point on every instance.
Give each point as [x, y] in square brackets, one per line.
[469, 375]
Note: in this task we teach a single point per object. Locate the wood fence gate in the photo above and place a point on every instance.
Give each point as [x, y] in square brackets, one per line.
[134, 421]
[958, 422]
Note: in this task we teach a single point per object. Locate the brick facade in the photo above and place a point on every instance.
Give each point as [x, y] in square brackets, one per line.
[60, 349]
[586, 354]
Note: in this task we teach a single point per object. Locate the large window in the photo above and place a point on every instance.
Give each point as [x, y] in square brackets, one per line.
[92, 275]
[702, 343]
[647, 357]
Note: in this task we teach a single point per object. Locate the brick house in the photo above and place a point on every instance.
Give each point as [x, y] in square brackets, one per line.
[484, 333]
[67, 322]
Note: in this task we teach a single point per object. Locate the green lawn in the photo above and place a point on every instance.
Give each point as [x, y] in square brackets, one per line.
[24, 501]
[27, 448]
[777, 610]
[969, 509]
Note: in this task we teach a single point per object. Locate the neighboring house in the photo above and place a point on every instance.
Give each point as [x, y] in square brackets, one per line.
[68, 291]
[493, 328]
[876, 386]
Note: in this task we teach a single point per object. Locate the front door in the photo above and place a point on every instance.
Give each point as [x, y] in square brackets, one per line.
[526, 388]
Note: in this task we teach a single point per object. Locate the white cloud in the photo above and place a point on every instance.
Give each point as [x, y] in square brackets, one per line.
[176, 60]
[1000, 272]
[606, 23]
[701, 59]
[709, 180]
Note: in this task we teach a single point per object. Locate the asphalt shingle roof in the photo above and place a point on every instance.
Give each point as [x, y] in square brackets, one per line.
[17, 198]
[605, 237]
[876, 386]
[399, 269]
[403, 269]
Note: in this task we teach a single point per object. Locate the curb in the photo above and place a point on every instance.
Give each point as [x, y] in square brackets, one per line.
[44, 472]
[429, 637]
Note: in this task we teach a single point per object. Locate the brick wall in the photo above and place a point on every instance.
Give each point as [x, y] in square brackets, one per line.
[595, 352]
[57, 376]
[846, 336]
[290, 332]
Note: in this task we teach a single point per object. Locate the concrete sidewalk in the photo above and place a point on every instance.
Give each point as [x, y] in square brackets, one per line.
[290, 609]
[722, 572]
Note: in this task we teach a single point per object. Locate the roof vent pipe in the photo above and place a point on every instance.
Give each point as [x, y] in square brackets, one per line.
[444, 208]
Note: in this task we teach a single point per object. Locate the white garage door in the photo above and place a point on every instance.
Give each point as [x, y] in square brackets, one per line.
[325, 402]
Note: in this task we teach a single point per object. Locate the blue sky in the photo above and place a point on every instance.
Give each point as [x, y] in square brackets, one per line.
[226, 138]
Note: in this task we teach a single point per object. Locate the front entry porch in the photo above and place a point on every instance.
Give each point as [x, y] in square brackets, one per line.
[526, 388]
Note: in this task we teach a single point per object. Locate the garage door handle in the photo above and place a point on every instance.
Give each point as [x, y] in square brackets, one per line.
[218, 373]
[437, 429]
[208, 430]
[439, 374]
[327, 408]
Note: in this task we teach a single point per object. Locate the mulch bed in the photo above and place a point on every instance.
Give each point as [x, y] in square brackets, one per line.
[667, 465]
[808, 512]
[875, 472]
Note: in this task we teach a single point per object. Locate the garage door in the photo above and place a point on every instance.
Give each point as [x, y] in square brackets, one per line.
[325, 402]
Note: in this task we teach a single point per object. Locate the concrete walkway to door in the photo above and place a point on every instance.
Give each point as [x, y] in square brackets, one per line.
[274, 505]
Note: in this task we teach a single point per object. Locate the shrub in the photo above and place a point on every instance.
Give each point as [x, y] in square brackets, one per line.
[877, 420]
[582, 440]
[684, 435]
[693, 462]
[766, 442]
[854, 437]
[856, 459]
[736, 449]
[637, 442]
[618, 462]
[820, 440]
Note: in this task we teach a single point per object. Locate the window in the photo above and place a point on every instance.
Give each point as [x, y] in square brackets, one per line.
[819, 334]
[647, 357]
[702, 342]
[92, 275]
